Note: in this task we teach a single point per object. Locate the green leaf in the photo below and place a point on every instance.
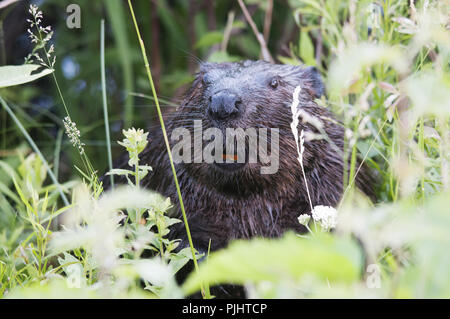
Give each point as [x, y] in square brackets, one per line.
[288, 60]
[334, 259]
[57, 288]
[306, 49]
[5, 190]
[119, 171]
[11, 75]
[209, 39]
[221, 56]
[364, 148]
[178, 260]
[74, 271]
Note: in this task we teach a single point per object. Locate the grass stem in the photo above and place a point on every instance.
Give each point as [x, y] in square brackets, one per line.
[36, 150]
[105, 105]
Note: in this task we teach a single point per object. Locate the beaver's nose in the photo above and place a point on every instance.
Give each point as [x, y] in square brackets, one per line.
[223, 105]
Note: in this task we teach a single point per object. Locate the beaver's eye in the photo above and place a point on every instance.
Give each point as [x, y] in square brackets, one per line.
[274, 83]
[206, 79]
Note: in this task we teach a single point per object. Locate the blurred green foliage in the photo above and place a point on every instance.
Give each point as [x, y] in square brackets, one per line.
[178, 35]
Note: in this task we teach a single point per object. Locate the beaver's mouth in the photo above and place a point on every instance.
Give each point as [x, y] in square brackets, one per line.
[231, 162]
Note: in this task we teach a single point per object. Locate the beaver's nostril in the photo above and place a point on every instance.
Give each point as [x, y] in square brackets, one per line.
[224, 104]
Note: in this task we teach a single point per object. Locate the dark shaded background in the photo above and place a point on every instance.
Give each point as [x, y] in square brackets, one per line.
[178, 34]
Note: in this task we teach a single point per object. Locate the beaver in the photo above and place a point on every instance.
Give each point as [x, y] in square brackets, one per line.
[235, 199]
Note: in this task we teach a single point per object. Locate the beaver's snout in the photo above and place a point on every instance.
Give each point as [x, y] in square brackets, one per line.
[224, 105]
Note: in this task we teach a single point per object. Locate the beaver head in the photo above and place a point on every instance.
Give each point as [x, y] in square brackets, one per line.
[249, 102]
[239, 199]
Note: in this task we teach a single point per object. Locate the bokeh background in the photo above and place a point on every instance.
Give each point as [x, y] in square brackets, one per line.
[178, 34]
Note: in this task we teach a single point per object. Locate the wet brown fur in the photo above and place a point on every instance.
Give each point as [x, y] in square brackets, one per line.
[225, 206]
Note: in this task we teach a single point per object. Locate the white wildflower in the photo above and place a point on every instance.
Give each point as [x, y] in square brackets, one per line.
[74, 134]
[46, 30]
[135, 142]
[51, 50]
[294, 128]
[34, 11]
[41, 36]
[304, 219]
[326, 216]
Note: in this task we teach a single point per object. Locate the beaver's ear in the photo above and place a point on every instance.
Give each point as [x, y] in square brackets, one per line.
[206, 66]
[314, 81]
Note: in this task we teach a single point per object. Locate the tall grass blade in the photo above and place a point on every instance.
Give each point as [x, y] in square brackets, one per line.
[35, 149]
[117, 19]
[166, 140]
[105, 105]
